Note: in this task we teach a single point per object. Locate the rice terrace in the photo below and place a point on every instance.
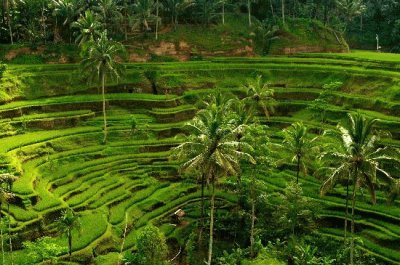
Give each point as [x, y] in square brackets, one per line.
[188, 132]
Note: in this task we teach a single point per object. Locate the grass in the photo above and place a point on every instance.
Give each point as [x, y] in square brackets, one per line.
[134, 173]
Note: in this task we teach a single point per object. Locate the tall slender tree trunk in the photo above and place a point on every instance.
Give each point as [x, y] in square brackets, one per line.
[272, 8]
[210, 243]
[7, 15]
[283, 10]
[157, 9]
[103, 80]
[123, 239]
[70, 243]
[298, 170]
[9, 235]
[249, 11]
[1, 235]
[347, 210]
[223, 12]
[353, 202]
[202, 211]
[253, 214]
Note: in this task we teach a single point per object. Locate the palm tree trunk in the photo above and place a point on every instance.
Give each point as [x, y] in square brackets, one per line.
[104, 106]
[249, 11]
[223, 13]
[202, 211]
[253, 215]
[283, 10]
[157, 20]
[210, 244]
[298, 169]
[6, 15]
[353, 202]
[9, 234]
[347, 211]
[1, 235]
[70, 243]
[272, 8]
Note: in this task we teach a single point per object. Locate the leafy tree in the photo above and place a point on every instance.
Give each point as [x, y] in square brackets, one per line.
[89, 27]
[255, 136]
[100, 63]
[306, 255]
[259, 95]
[151, 246]
[297, 143]
[43, 249]
[356, 156]
[295, 213]
[68, 222]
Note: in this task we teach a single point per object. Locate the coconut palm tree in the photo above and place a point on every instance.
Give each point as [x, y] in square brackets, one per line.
[68, 222]
[89, 28]
[5, 195]
[109, 12]
[266, 33]
[175, 7]
[143, 14]
[297, 143]
[207, 10]
[259, 95]
[9, 179]
[65, 11]
[100, 63]
[212, 149]
[357, 157]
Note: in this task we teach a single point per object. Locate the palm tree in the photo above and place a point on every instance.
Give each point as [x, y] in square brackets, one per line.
[212, 149]
[249, 10]
[350, 9]
[266, 33]
[7, 4]
[356, 156]
[89, 28]
[297, 142]
[100, 63]
[143, 10]
[5, 195]
[175, 7]
[259, 95]
[9, 180]
[207, 10]
[65, 10]
[109, 12]
[68, 222]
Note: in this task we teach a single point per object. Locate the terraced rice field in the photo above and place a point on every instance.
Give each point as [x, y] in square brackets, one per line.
[52, 132]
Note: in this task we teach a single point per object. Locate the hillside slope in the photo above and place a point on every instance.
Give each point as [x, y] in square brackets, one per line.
[194, 42]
